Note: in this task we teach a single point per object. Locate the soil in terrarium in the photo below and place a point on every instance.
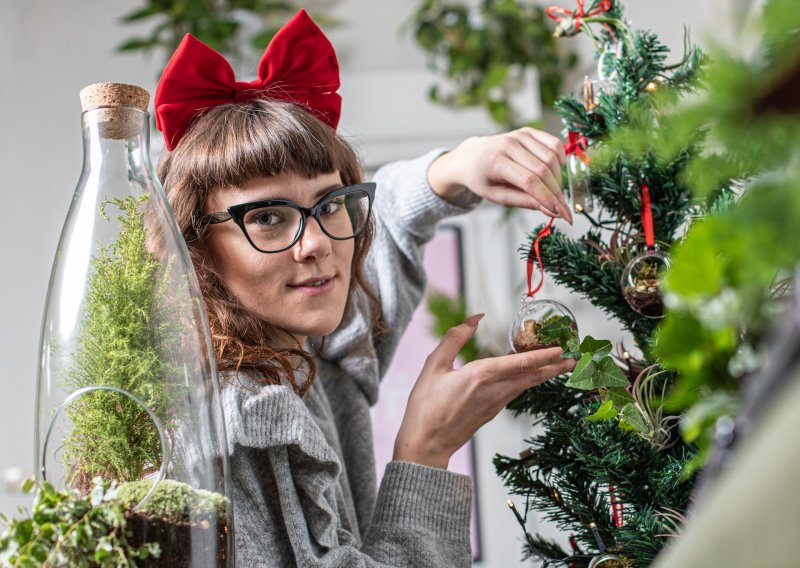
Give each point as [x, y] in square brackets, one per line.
[190, 525]
[183, 544]
[644, 297]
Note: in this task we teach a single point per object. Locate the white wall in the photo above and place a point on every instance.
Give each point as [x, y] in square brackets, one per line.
[50, 50]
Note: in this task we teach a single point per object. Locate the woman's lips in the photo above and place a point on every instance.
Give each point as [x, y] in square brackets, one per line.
[319, 290]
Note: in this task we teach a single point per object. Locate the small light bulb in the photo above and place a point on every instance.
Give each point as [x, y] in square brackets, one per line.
[579, 208]
[651, 86]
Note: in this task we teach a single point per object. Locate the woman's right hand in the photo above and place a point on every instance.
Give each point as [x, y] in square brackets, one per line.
[446, 406]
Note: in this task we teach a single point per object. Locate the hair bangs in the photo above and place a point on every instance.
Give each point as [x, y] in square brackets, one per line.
[241, 142]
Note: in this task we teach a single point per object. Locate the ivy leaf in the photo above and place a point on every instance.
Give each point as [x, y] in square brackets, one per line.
[573, 349]
[590, 374]
[609, 374]
[560, 330]
[598, 348]
[631, 419]
[619, 396]
[583, 373]
[606, 411]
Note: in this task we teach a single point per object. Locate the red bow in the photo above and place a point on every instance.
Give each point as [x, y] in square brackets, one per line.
[577, 144]
[570, 21]
[298, 65]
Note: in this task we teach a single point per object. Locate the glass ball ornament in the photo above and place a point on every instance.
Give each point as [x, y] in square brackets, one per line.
[641, 283]
[606, 560]
[532, 316]
[579, 190]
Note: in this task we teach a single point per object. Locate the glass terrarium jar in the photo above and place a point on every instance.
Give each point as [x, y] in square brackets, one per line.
[523, 333]
[641, 283]
[127, 391]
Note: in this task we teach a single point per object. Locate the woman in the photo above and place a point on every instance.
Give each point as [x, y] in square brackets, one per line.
[309, 285]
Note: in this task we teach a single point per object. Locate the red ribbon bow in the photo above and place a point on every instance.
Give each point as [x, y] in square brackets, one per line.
[577, 144]
[299, 65]
[558, 13]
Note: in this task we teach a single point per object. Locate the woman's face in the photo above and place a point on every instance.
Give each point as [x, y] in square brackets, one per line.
[278, 286]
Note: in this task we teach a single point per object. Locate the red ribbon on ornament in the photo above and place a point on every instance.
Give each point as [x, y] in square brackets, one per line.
[647, 218]
[536, 254]
[558, 13]
[574, 544]
[616, 507]
[577, 144]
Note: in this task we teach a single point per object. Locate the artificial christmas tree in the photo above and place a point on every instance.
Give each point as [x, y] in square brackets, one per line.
[610, 467]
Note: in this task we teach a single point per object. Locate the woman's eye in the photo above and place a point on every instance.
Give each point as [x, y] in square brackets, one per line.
[267, 217]
[333, 206]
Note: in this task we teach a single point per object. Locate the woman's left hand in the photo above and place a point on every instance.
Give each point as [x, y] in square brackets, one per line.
[521, 168]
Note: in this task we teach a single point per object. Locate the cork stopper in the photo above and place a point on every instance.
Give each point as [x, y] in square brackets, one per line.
[115, 100]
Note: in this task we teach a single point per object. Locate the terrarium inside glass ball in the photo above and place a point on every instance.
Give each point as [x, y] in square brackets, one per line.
[524, 332]
[641, 283]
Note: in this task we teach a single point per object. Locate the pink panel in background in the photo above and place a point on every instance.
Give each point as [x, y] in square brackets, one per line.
[443, 269]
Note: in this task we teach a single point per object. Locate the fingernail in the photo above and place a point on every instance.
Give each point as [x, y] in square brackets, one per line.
[546, 211]
[473, 320]
[567, 214]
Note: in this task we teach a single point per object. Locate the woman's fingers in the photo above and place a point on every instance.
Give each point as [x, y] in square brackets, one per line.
[444, 355]
[518, 365]
[529, 183]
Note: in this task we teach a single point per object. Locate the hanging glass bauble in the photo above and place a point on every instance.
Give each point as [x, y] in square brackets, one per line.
[127, 389]
[641, 283]
[607, 62]
[606, 560]
[579, 193]
[523, 333]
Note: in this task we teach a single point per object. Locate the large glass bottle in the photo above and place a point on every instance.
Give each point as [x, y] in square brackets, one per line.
[127, 388]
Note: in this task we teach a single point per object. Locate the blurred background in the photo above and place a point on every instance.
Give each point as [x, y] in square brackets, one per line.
[50, 50]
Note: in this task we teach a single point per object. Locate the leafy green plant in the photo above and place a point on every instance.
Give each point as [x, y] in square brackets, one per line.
[449, 312]
[68, 529]
[102, 527]
[729, 285]
[123, 335]
[218, 23]
[480, 50]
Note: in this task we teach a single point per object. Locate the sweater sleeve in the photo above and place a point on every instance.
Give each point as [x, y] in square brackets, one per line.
[406, 212]
[290, 508]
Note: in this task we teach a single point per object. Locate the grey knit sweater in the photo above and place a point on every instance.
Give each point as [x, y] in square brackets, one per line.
[304, 483]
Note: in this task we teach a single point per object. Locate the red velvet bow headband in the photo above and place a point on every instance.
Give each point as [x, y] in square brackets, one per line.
[298, 65]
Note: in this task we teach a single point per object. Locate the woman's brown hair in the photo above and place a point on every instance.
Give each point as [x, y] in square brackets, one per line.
[226, 147]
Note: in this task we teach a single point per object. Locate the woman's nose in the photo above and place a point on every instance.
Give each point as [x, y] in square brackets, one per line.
[313, 242]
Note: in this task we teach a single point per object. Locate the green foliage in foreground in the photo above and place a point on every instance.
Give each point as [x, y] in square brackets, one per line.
[67, 529]
[731, 274]
[121, 341]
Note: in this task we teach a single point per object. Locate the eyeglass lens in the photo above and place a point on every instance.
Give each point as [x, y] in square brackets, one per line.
[275, 228]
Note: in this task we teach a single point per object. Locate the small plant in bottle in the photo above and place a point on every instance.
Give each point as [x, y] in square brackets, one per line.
[534, 318]
[641, 283]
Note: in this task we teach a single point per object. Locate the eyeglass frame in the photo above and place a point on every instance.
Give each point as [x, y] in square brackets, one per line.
[237, 213]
